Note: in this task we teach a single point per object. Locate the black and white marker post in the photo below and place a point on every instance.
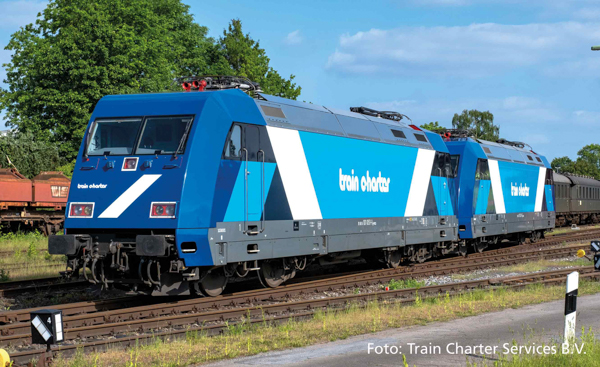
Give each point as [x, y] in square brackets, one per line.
[596, 250]
[571, 306]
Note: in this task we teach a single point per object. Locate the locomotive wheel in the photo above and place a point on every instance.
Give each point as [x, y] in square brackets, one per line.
[463, 250]
[213, 283]
[480, 246]
[271, 274]
[393, 259]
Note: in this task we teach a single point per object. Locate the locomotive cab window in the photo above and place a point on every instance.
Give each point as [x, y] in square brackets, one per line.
[233, 145]
[483, 170]
[164, 135]
[113, 136]
[454, 160]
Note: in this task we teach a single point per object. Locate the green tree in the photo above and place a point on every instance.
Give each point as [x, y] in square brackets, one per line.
[79, 51]
[28, 155]
[238, 54]
[434, 127]
[562, 164]
[480, 124]
[591, 154]
[585, 168]
[586, 164]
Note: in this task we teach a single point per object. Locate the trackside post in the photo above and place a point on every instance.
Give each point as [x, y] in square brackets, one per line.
[571, 306]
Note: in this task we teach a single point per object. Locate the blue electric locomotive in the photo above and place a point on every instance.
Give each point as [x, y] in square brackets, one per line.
[175, 193]
[504, 191]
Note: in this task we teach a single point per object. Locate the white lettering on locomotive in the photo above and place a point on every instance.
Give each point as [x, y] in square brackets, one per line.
[367, 183]
[520, 190]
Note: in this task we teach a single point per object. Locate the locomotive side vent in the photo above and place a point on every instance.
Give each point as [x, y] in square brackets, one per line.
[273, 112]
[421, 138]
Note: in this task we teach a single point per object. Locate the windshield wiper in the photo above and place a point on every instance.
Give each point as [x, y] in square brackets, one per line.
[183, 137]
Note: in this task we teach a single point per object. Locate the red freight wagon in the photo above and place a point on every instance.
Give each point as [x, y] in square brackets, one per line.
[15, 189]
[50, 189]
[38, 204]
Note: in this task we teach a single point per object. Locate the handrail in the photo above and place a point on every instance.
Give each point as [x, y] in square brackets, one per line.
[262, 193]
[245, 189]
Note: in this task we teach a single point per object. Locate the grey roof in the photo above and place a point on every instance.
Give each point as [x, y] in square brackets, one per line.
[584, 181]
[282, 112]
[558, 178]
[511, 153]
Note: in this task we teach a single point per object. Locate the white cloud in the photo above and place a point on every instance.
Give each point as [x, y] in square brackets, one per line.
[18, 13]
[470, 51]
[583, 117]
[587, 13]
[293, 38]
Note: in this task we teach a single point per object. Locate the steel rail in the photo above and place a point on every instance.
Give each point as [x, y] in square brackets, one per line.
[115, 321]
[298, 309]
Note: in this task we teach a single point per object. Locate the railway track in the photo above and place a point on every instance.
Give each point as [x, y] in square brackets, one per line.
[101, 318]
[212, 321]
[107, 318]
[19, 287]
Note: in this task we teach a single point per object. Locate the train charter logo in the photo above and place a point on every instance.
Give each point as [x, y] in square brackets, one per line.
[366, 183]
[520, 190]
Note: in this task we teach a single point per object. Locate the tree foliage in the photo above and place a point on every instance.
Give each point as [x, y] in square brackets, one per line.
[78, 51]
[434, 127]
[586, 164]
[28, 155]
[238, 54]
[481, 124]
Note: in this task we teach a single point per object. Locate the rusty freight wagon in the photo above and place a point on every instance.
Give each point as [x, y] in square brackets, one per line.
[33, 204]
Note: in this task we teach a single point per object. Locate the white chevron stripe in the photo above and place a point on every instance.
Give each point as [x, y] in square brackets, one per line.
[420, 183]
[539, 194]
[129, 196]
[295, 174]
[497, 186]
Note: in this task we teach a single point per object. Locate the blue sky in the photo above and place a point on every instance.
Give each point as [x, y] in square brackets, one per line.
[529, 63]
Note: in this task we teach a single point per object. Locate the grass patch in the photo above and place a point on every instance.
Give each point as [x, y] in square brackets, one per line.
[569, 230]
[529, 267]
[585, 355]
[405, 283]
[26, 261]
[247, 338]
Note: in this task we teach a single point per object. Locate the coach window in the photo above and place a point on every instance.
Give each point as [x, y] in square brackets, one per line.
[234, 143]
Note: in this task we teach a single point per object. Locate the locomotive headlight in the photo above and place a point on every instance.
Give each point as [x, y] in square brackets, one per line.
[130, 164]
[81, 210]
[162, 210]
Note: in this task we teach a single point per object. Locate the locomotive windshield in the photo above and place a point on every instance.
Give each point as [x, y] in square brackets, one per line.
[162, 134]
[113, 136]
[158, 135]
